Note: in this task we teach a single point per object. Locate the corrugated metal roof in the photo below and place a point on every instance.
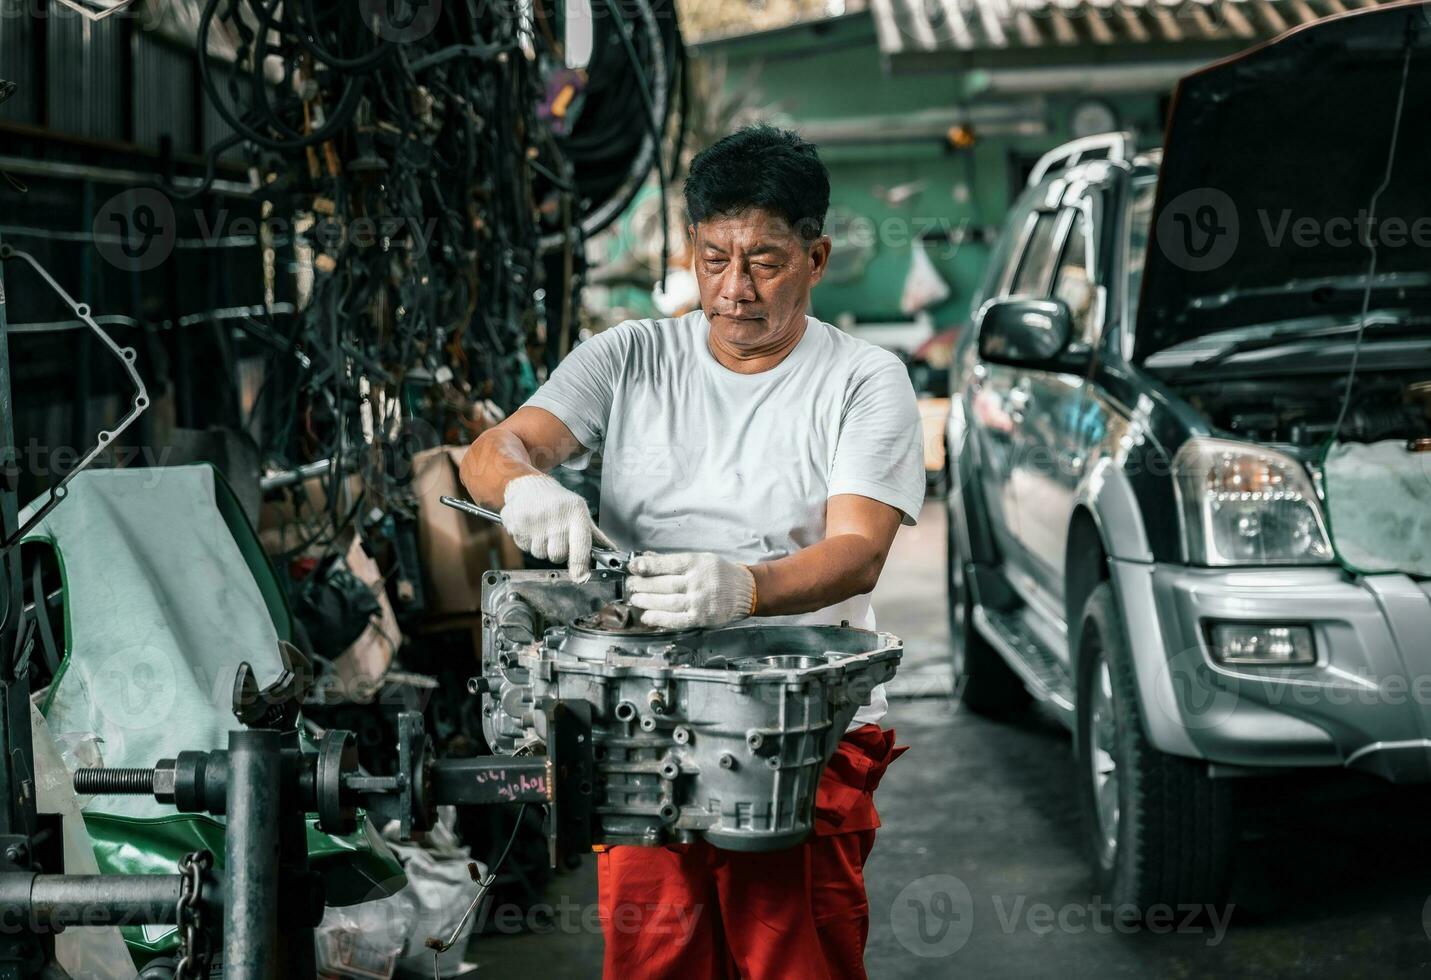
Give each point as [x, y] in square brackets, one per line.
[971, 28]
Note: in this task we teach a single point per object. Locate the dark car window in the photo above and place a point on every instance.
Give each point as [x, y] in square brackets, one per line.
[1036, 264]
[1006, 250]
[1074, 283]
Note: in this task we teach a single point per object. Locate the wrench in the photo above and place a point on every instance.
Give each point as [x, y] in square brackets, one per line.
[605, 558]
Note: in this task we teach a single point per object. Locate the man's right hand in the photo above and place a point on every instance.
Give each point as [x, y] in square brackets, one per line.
[549, 521]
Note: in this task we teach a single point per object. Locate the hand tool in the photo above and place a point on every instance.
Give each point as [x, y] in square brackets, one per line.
[606, 558]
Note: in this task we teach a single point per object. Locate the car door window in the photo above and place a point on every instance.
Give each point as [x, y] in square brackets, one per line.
[1074, 283]
[1036, 264]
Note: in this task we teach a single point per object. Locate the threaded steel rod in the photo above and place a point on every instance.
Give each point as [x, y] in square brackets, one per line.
[114, 782]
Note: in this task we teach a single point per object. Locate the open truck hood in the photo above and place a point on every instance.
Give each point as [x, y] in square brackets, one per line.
[1270, 165]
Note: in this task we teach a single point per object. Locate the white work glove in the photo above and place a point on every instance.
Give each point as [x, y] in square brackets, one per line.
[549, 521]
[689, 591]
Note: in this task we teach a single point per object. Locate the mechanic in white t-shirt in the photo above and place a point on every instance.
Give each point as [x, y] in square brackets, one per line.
[765, 460]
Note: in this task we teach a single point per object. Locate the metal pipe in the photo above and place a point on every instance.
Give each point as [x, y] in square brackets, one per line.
[51, 902]
[251, 855]
[1107, 80]
[105, 175]
[925, 124]
[288, 478]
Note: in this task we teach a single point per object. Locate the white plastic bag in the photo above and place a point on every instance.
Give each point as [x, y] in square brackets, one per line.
[924, 286]
[94, 953]
[439, 889]
[364, 942]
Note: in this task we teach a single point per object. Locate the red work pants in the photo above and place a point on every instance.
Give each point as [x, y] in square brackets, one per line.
[693, 912]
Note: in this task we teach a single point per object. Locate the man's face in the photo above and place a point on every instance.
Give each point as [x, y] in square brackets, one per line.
[755, 274]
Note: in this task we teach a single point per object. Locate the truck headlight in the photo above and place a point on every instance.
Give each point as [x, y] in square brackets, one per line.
[1243, 504]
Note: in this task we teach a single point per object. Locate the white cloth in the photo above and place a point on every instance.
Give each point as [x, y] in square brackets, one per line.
[160, 610]
[1379, 507]
[696, 457]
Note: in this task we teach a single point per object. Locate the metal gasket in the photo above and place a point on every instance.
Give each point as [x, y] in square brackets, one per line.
[125, 355]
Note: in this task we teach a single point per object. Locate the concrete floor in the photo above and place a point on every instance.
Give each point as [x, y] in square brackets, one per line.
[981, 839]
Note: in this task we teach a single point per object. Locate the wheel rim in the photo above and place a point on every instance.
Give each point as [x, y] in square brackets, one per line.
[1102, 739]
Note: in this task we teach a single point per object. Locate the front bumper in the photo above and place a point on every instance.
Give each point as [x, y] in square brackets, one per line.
[1365, 704]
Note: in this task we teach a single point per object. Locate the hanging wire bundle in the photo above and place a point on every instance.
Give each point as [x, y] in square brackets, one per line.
[440, 166]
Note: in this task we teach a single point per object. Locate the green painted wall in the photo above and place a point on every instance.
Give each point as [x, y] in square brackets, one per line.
[834, 71]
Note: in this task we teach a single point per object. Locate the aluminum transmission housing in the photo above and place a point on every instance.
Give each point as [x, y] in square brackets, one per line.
[719, 735]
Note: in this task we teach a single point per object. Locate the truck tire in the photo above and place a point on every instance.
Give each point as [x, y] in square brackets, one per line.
[982, 680]
[1159, 830]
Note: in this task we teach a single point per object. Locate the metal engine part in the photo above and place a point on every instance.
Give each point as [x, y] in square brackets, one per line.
[717, 735]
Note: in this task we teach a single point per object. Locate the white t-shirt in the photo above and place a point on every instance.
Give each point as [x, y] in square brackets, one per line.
[696, 457]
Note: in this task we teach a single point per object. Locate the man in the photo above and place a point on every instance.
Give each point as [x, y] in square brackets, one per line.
[765, 460]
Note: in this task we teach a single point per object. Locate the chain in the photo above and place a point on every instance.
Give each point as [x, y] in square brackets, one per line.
[194, 951]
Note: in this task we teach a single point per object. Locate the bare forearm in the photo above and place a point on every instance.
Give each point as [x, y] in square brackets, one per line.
[821, 575]
[529, 443]
[495, 459]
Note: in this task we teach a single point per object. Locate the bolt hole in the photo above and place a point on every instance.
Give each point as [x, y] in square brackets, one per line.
[625, 711]
[82, 309]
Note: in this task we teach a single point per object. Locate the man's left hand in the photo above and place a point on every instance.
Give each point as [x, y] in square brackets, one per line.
[693, 590]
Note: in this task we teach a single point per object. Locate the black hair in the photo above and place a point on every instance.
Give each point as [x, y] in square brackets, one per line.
[766, 168]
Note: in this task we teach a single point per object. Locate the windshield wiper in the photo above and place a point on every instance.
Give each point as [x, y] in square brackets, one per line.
[1399, 327]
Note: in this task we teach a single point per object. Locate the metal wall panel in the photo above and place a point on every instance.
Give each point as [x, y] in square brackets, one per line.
[19, 64]
[215, 128]
[85, 82]
[165, 89]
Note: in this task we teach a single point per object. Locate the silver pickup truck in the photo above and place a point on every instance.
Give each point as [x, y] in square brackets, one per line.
[1190, 448]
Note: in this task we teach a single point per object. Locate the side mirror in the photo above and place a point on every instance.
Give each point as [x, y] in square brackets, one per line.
[1024, 332]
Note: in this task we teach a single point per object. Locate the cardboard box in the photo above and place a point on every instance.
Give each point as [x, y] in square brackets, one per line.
[455, 548]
